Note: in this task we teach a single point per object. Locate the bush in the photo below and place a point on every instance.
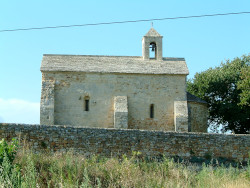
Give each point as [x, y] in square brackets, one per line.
[8, 150]
[10, 174]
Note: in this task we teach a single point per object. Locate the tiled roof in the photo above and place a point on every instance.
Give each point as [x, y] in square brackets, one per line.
[193, 98]
[113, 64]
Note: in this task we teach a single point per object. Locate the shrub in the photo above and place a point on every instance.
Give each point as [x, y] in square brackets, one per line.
[10, 174]
[8, 150]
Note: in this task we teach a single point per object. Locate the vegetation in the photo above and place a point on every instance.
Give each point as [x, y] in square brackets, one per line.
[227, 91]
[10, 174]
[69, 170]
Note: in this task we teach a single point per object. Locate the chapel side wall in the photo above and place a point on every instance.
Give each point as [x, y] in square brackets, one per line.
[198, 114]
[116, 142]
[141, 91]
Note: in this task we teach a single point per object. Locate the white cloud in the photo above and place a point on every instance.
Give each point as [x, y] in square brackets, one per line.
[19, 111]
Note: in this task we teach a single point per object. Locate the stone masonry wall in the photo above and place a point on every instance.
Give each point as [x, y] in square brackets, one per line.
[114, 142]
[71, 89]
[198, 114]
[47, 101]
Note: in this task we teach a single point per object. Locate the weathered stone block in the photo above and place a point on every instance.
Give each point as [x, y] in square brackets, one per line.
[181, 116]
[121, 112]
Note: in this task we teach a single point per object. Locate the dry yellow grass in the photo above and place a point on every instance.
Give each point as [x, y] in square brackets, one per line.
[69, 170]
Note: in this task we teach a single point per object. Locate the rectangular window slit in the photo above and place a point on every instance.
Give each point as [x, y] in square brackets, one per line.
[86, 104]
[152, 111]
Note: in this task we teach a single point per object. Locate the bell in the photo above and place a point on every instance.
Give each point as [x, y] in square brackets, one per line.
[153, 47]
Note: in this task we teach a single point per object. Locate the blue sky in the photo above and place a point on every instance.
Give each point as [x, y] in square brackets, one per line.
[203, 42]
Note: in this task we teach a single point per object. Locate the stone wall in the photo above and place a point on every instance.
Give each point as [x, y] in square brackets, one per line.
[197, 116]
[114, 142]
[47, 101]
[141, 90]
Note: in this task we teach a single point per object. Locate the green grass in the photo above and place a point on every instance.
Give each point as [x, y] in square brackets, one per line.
[69, 170]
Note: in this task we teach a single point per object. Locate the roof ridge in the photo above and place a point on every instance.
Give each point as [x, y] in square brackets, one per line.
[89, 55]
[164, 58]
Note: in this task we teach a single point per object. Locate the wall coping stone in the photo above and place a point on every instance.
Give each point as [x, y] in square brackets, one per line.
[122, 130]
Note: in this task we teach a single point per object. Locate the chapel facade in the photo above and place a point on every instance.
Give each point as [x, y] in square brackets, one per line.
[128, 92]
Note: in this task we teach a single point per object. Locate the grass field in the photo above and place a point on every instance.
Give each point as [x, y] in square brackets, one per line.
[68, 170]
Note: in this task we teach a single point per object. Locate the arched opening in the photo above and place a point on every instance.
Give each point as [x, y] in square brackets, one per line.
[152, 50]
[152, 111]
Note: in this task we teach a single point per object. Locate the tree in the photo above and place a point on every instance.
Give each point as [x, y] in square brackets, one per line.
[226, 90]
[244, 85]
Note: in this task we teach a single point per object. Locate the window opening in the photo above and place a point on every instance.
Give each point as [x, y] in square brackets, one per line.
[152, 111]
[152, 50]
[86, 104]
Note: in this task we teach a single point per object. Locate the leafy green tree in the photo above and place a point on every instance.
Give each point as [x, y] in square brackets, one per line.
[244, 85]
[226, 90]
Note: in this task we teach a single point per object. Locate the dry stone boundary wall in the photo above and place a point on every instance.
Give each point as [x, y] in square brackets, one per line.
[115, 142]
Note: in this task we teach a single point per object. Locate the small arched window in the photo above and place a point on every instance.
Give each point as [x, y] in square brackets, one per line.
[152, 111]
[86, 103]
[152, 50]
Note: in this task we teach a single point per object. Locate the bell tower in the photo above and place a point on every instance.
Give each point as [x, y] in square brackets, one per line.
[152, 45]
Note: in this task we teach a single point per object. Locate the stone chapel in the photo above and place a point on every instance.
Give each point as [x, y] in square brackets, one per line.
[128, 92]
